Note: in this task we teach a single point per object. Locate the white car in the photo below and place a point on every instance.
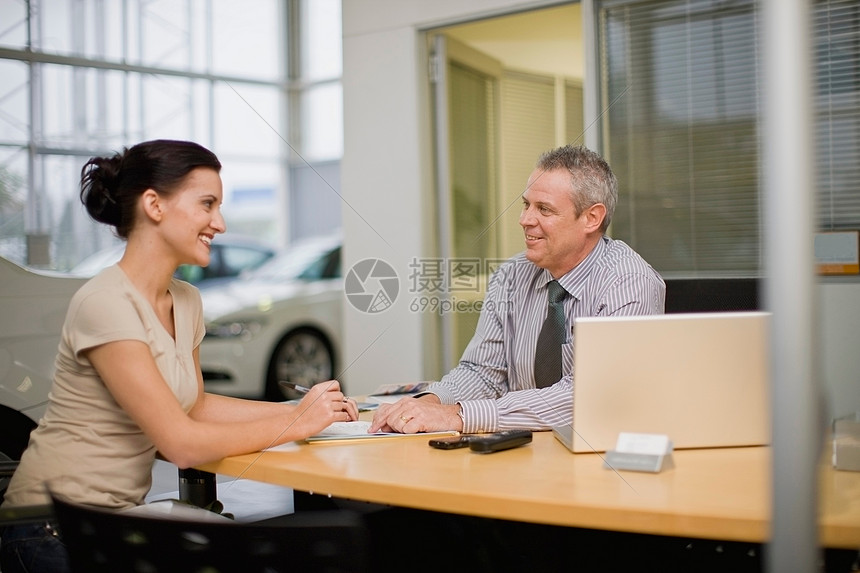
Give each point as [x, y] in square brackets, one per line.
[33, 307]
[280, 322]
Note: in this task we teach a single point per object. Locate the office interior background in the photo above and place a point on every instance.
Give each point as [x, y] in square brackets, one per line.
[413, 126]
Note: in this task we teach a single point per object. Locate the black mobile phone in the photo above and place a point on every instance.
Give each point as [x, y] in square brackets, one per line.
[498, 441]
[451, 443]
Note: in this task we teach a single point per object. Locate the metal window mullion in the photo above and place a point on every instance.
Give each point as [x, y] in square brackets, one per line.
[210, 65]
[34, 213]
[140, 84]
[81, 62]
[292, 90]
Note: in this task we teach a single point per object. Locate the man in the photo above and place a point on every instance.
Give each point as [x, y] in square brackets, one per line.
[567, 207]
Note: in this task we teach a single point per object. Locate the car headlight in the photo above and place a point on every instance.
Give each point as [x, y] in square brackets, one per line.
[244, 330]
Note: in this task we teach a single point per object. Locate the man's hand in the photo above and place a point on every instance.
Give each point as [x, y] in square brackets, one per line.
[414, 415]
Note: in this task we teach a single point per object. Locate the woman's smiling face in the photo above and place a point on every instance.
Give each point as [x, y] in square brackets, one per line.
[194, 214]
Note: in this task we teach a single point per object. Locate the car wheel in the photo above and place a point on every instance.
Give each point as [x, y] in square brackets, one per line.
[304, 357]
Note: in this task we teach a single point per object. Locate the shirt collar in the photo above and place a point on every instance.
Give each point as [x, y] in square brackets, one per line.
[574, 280]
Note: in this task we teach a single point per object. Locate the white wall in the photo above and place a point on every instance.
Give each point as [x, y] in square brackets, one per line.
[383, 178]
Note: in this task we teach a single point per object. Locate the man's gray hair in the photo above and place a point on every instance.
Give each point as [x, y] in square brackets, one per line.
[591, 179]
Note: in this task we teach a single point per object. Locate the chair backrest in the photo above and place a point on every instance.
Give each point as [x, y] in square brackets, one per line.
[104, 540]
[712, 295]
[7, 468]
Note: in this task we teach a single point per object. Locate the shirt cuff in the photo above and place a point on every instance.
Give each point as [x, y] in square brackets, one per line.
[445, 396]
[479, 416]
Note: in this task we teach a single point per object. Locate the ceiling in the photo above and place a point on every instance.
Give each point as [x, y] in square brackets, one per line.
[546, 41]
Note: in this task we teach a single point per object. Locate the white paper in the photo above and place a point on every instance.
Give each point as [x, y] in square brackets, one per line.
[355, 428]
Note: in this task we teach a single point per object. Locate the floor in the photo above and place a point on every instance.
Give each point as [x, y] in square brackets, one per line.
[246, 499]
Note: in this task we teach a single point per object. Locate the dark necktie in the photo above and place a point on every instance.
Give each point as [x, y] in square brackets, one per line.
[550, 339]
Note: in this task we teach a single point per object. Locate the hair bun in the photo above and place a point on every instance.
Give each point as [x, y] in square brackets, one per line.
[100, 179]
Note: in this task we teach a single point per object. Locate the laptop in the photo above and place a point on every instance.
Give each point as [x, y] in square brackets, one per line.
[700, 378]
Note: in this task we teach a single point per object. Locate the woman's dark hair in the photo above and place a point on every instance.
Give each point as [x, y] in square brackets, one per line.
[110, 186]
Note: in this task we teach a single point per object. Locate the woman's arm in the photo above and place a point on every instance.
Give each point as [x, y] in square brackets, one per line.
[217, 426]
[217, 408]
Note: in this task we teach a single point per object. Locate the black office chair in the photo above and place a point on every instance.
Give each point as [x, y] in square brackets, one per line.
[104, 540]
[713, 295]
[7, 468]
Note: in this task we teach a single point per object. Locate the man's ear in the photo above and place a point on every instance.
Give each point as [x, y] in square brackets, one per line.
[594, 216]
[152, 207]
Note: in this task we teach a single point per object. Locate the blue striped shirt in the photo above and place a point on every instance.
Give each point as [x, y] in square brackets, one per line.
[494, 381]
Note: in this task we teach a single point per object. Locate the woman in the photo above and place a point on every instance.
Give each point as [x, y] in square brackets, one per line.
[127, 379]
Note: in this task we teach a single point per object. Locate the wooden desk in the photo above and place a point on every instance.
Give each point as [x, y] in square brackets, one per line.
[717, 493]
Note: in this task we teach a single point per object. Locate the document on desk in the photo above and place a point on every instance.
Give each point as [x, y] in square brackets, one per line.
[391, 393]
[408, 388]
[358, 431]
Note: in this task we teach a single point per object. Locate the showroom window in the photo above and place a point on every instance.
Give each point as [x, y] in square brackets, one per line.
[259, 84]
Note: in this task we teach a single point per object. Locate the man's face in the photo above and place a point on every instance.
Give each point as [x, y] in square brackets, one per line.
[556, 239]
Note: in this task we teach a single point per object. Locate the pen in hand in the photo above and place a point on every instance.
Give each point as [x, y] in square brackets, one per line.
[304, 390]
[293, 386]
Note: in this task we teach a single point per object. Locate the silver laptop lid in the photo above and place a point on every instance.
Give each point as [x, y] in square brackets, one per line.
[702, 379]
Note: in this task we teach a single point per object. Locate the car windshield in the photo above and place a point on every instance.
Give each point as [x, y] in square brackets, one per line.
[299, 262]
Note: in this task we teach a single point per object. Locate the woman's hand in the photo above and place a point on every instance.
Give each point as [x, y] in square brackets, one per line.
[323, 405]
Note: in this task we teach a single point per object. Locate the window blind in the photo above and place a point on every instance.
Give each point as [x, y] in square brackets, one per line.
[681, 83]
[527, 129]
[679, 80]
[836, 36]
